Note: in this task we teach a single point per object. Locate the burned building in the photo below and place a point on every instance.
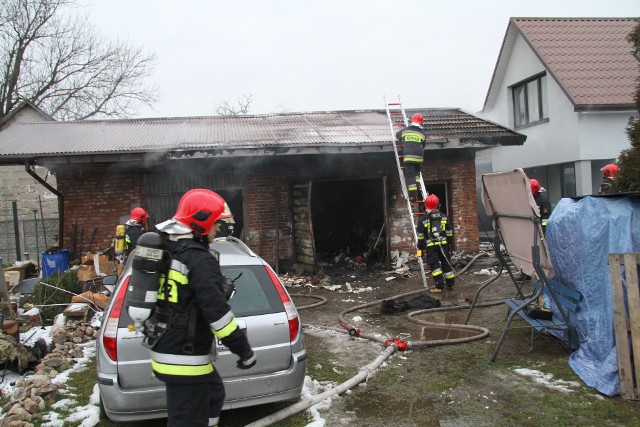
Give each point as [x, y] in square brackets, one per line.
[303, 187]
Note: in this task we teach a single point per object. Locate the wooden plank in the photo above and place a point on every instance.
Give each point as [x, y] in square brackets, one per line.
[633, 301]
[625, 371]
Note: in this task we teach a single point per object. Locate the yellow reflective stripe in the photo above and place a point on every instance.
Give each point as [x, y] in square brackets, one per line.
[410, 158]
[412, 137]
[436, 272]
[227, 330]
[420, 236]
[182, 370]
[449, 275]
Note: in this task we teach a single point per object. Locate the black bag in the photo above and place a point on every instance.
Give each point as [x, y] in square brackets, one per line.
[538, 312]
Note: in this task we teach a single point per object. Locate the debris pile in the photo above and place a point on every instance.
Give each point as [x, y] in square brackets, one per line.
[27, 401]
[73, 332]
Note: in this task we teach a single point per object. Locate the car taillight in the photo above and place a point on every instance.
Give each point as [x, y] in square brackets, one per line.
[292, 315]
[110, 336]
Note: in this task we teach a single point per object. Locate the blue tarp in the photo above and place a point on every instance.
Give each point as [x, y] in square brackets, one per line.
[580, 235]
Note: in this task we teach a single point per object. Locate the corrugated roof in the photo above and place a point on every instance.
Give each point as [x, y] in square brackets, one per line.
[201, 133]
[589, 57]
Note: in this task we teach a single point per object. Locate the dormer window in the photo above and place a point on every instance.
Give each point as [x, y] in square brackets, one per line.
[530, 101]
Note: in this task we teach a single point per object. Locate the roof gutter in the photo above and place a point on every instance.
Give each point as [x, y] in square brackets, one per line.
[45, 184]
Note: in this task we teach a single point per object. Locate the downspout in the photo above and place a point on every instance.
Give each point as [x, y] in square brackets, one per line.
[45, 184]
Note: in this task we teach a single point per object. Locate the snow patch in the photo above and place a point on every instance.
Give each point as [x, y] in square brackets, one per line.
[547, 380]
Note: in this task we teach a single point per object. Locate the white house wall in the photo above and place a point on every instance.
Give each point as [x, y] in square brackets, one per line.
[603, 134]
[567, 137]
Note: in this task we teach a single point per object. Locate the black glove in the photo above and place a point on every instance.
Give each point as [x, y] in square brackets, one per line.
[247, 361]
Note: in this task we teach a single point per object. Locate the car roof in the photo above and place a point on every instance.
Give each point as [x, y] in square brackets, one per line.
[234, 252]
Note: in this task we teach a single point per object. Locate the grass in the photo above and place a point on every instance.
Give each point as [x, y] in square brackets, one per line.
[80, 385]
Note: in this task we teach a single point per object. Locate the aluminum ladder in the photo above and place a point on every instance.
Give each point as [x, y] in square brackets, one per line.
[398, 119]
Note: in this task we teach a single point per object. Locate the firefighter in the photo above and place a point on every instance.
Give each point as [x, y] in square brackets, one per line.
[413, 138]
[134, 229]
[542, 201]
[609, 174]
[200, 314]
[434, 240]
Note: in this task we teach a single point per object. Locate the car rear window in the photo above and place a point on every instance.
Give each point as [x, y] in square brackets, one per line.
[255, 293]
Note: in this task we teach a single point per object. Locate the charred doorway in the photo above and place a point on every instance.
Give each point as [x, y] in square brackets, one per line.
[347, 219]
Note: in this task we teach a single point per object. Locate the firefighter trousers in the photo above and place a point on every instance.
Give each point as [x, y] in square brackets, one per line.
[192, 404]
[438, 260]
[412, 175]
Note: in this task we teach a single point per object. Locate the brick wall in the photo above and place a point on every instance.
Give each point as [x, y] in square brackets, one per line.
[264, 190]
[96, 199]
[460, 175]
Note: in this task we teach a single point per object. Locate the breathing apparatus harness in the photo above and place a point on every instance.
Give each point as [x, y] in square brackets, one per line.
[150, 267]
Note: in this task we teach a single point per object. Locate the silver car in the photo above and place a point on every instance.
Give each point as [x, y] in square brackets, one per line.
[130, 392]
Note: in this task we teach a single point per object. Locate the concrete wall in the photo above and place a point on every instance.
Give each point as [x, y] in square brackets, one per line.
[17, 185]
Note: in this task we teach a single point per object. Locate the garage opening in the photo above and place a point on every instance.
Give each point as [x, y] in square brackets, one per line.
[348, 219]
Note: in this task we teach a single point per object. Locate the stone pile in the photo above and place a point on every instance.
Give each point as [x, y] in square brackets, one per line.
[32, 392]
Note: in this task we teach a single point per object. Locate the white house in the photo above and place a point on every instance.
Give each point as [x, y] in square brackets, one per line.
[568, 84]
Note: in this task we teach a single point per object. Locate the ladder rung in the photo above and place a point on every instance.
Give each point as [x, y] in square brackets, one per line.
[393, 103]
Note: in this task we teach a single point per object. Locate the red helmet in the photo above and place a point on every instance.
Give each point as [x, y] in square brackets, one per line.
[535, 185]
[199, 209]
[610, 171]
[417, 118]
[432, 202]
[138, 214]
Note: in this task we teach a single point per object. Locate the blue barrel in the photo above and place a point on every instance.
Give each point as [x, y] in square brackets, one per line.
[55, 262]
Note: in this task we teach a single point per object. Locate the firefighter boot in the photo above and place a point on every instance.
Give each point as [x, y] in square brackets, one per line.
[450, 281]
[439, 286]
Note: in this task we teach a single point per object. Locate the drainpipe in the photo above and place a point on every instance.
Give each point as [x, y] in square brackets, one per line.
[45, 184]
[277, 227]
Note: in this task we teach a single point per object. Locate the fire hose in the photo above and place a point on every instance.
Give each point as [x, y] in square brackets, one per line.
[341, 388]
[399, 343]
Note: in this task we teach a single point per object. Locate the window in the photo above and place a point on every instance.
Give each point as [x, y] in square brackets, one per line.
[530, 101]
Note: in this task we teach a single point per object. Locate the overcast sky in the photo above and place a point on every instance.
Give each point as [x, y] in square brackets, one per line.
[299, 55]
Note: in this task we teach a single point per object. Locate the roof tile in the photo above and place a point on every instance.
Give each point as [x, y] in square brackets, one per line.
[590, 57]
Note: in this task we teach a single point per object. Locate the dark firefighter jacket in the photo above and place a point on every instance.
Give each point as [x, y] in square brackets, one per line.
[131, 235]
[605, 187]
[412, 139]
[194, 279]
[433, 229]
[542, 201]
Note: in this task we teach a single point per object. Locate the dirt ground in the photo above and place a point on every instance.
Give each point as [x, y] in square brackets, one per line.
[450, 385]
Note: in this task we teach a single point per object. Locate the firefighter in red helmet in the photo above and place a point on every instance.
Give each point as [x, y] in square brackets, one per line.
[542, 201]
[198, 310]
[134, 228]
[434, 240]
[609, 174]
[413, 139]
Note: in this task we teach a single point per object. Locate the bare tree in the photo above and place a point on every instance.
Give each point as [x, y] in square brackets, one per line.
[60, 64]
[240, 107]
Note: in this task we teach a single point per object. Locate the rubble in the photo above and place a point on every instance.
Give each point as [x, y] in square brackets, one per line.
[30, 393]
